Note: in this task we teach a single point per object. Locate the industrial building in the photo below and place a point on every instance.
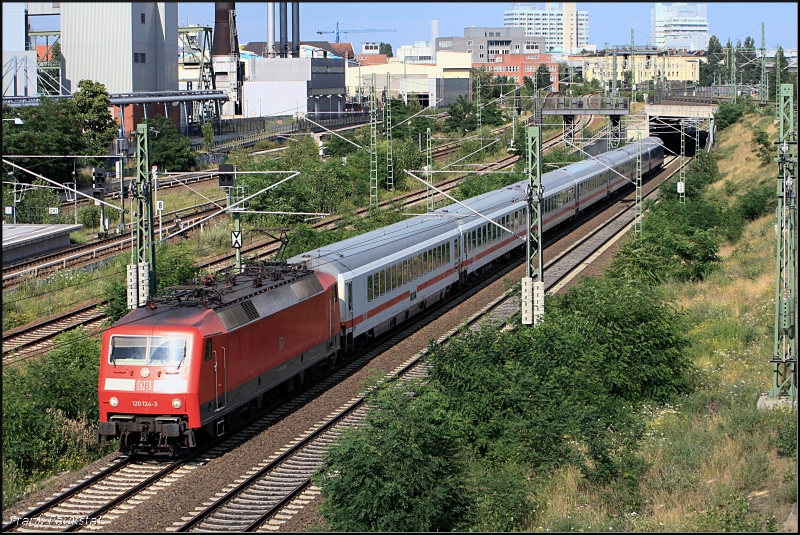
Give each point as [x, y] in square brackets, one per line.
[433, 84]
[486, 43]
[557, 23]
[679, 26]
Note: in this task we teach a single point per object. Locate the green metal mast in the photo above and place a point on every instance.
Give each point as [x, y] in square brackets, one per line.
[697, 138]
[614, 79]
[682, 171]
[633, 70]
[373, 146]
[480, 132]
[533, 292]
[429, 170]
[637, 221]
[762, 89]
[733, 73]
[389, 155]
[784, 356]
[145, 247]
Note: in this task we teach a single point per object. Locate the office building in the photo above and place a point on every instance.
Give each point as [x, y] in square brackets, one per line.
[557, 23]
[679, 26]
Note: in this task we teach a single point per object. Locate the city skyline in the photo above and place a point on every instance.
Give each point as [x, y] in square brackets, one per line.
[611, 22]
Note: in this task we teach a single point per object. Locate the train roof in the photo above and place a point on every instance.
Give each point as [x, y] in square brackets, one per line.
[358, 252]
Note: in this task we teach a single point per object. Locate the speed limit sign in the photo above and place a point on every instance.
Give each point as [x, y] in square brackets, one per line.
[680, 187]
[160, 206]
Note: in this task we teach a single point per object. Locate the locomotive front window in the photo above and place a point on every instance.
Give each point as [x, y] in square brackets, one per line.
[167, 351]
[128, 350]
[143, 350]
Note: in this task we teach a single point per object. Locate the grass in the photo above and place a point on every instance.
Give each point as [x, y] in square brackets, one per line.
[717, 463]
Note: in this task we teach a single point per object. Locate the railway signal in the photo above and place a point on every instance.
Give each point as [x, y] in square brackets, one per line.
[225, 175]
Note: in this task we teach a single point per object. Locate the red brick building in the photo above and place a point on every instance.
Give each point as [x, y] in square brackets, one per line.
[517, 66]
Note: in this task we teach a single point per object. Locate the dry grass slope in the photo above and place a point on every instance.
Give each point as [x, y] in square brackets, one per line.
[715, 459]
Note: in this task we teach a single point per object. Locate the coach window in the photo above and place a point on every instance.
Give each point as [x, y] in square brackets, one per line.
[404, 278]
[474, 239]
[383, 282]
[376, 291]
[423, 266]
[369, 288]
[447, 252]
[393, 278]
[429, 265]
[480, 233]
[388, 279]
[455, 247]
[439, 256]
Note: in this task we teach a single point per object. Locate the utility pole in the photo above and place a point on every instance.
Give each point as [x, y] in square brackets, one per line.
[637, 224]
[784, 356]
[533, 292]
[389, 155]
[682, 171]
[373, 147]
[429, 170]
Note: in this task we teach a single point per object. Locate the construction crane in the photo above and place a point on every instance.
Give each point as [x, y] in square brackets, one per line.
[353, 31]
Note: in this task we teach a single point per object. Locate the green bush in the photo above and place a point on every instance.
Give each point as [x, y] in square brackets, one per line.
[89, 217]
[398, 471]
[50, 412]
[756, 202]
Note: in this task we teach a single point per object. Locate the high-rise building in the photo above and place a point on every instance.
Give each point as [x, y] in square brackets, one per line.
[486, 43]
[556, 23]
[679, 26]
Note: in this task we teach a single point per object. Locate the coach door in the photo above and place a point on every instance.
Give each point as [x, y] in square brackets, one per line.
[460, 257]
[221, 379]
[348, 309]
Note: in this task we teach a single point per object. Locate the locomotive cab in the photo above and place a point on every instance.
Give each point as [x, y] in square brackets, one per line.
[144, 388]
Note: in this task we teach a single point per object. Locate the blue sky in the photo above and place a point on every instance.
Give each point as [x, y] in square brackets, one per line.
[611, 22]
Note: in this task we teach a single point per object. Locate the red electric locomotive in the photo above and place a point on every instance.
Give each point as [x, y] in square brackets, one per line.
[197, 360]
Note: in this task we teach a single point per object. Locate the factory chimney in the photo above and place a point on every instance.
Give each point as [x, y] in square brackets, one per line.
[434, 35]
[271, 29]
[222, 29]
[284, 32]
[295, 29]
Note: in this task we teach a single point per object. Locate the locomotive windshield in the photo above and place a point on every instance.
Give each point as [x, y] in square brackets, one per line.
[147, 350]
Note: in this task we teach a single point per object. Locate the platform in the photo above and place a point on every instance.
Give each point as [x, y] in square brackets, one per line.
[25, 241]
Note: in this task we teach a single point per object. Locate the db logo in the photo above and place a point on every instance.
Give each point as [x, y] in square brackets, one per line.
[143, 385]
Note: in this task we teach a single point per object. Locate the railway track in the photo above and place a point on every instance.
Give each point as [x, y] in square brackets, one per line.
[165, 182]
[37, 338]
[272, 491]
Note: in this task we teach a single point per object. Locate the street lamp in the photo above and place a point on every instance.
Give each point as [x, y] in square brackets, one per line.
[16, 120]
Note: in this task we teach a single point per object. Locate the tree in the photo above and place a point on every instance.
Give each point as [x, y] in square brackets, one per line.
[208, 136]
[51, 128]
[99, 128]
[542, 77]
[386, 48]
[713, 65]
[168, 148]
[461, 115]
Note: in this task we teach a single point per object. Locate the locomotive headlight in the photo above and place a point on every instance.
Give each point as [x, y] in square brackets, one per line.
[114, 402]
[176, 403]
